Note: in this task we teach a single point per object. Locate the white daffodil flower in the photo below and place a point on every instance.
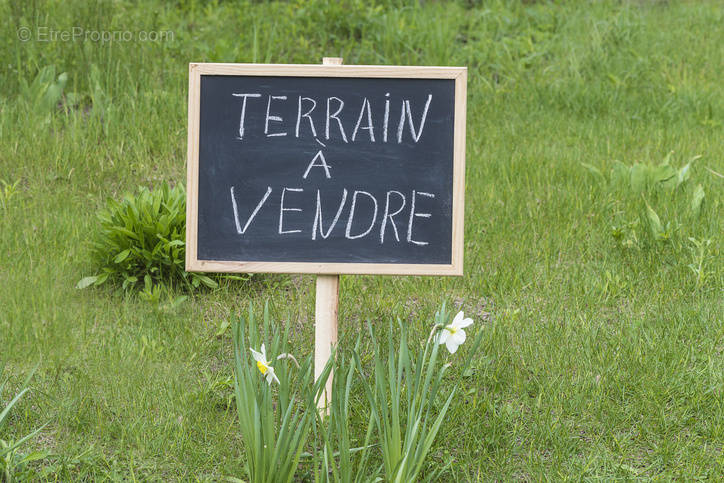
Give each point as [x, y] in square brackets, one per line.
[453, 335]
[264, 367]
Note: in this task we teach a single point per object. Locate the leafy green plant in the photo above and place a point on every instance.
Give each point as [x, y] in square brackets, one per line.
[612, 286]
[624, 233]
[659, 231]
[11, 461]
[154, 296]
[698, 250]
[339, 461]
[275, 421]
[647, 182]
[7, 192]
[696, 200]
[46, 91]
[142, 240]
[640, 177]
[402, 396]
[150, 293]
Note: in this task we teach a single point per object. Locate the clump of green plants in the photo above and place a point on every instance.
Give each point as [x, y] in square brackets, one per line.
[405, 390]
[275, 399]
[699, 256]
[337, 459]
[7, 192]
[645, 183]
[46, 92]
[12, 462]
[640, 177]
[141, 242]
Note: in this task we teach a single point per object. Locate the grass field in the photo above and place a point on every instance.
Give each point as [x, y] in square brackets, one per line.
[603, 346]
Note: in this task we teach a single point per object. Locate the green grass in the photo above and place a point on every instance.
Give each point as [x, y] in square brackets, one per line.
[604, 357]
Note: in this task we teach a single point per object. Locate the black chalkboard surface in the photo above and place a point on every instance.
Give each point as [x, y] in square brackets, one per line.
[328, 174]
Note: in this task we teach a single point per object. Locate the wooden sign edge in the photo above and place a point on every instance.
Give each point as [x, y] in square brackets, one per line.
[458, 74]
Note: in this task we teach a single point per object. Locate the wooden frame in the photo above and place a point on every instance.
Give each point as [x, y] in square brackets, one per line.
[458, 74]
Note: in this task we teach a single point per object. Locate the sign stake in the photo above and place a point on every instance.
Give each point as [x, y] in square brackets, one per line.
[325, 331]
[325, 315]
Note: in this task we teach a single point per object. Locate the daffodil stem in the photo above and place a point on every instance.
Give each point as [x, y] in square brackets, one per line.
[288, 356]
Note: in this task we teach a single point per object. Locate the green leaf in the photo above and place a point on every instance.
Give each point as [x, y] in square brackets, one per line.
[11, 404]
[86, 282]
[667, 159]
[654, 222]
[236, 277]
[129, 281]
[594, 171]
[665, 175]
[222, 328]
[683, 174]
[34, 456]
[179, 300]
[697, 199]
[639, 177]
[20, 442]
[126, 232]
[620, 174]
[207, 281]
[122, 256]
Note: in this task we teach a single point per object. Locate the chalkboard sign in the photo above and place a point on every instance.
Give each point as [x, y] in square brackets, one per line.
[326, 169]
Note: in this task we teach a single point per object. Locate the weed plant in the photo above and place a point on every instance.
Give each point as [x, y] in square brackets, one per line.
[141, 240]
[13, 463]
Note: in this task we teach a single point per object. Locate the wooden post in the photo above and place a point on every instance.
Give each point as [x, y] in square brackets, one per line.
[325, 314]
[325, 330]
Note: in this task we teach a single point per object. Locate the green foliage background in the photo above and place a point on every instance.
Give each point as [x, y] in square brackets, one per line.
[604, 334]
